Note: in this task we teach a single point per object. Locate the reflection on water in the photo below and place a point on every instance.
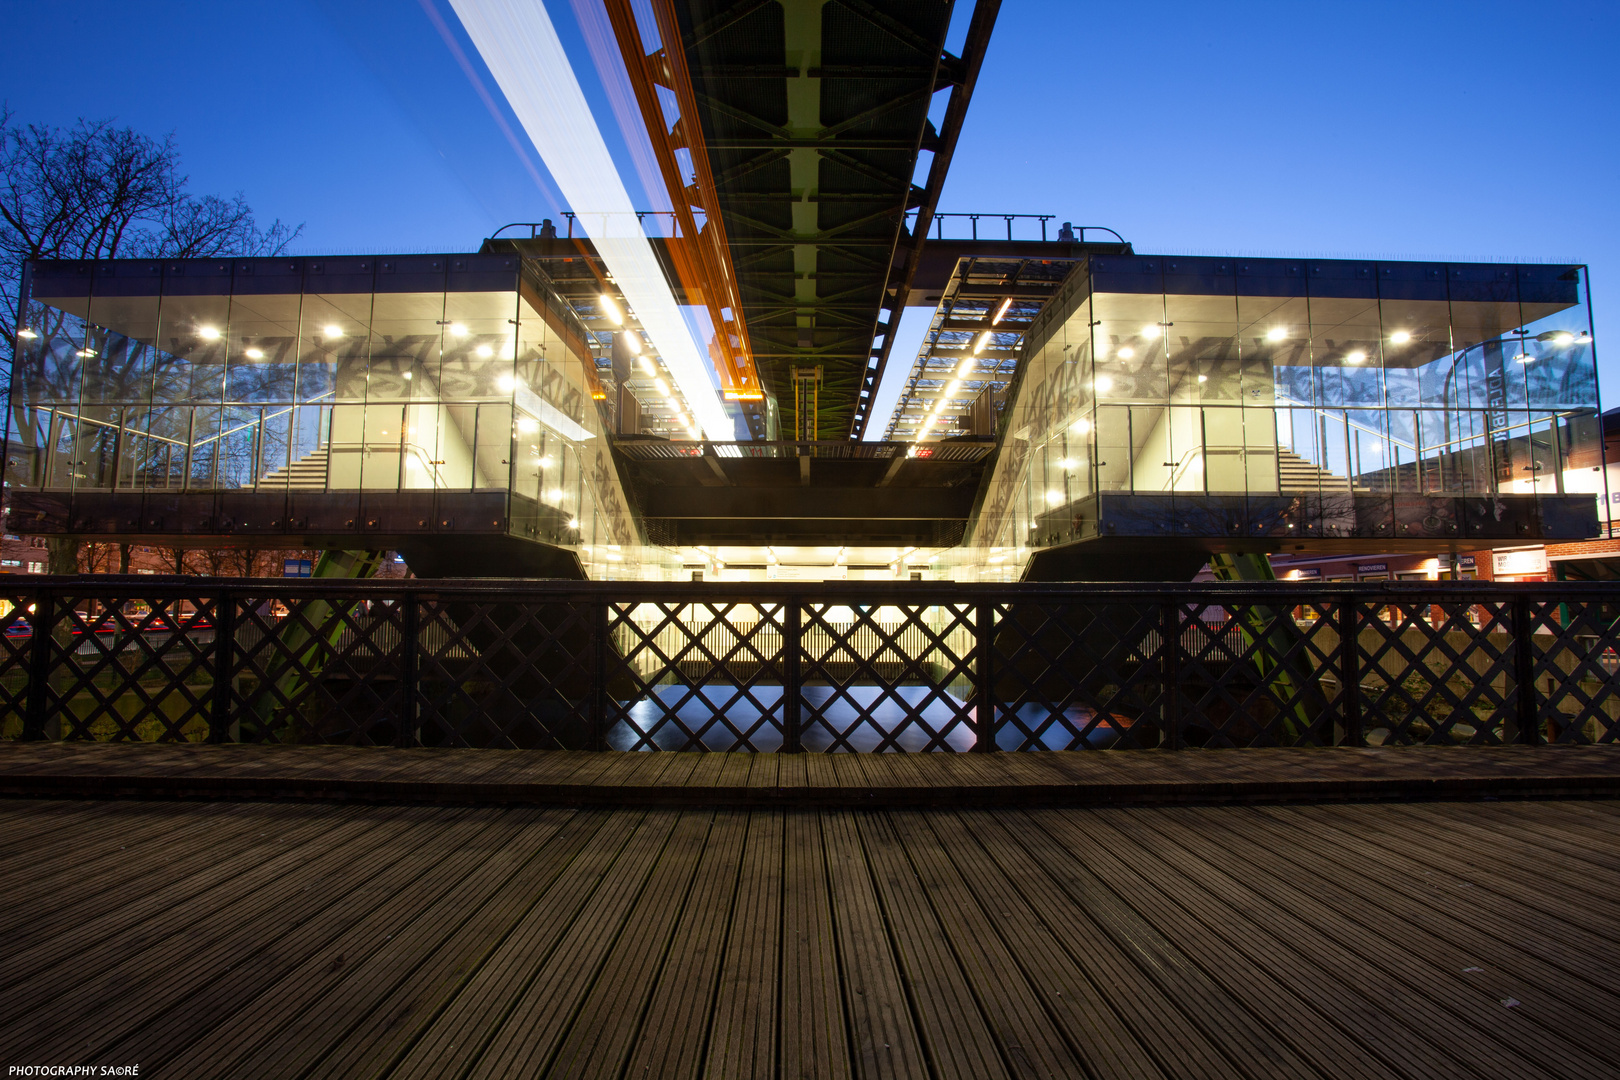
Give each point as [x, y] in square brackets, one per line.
[867, 718]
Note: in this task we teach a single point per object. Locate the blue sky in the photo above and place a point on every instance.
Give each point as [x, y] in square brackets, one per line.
[1468, 130]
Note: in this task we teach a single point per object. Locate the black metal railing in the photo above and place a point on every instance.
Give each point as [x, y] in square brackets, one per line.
[777, 666]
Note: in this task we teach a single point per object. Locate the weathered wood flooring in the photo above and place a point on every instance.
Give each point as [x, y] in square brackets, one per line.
[261, 939]
[747, 780]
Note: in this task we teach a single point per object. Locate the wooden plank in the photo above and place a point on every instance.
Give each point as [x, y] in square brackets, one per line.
[218, 880]
[1242, 1036]
[136, 980]
[813, 1028]
[284, 986]
[449, 1041]
[1580, 954]
[883, 1038]
[946, 1011]
[1442, 1007]
[672, 1039]
[609, 1018]
[1001, 938]
[743, 1020]
[1154, 1017]
[540, 1020]
[1509, 956]
[1310, 1010]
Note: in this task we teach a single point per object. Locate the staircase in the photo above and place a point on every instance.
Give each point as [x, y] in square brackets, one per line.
[308, 473]
[1296, 476]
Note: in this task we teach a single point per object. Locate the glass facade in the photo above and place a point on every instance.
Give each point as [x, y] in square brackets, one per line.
[1227, 395]
[415, 394]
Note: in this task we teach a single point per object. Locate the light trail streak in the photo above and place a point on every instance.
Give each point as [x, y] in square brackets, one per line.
[520, 47]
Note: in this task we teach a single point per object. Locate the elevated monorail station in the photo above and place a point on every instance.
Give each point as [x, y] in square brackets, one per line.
[1129, 415]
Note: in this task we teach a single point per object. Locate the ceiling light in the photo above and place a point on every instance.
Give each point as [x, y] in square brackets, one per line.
[484, 351]
[650, 368]
[1126, 352]
[458, 329]
[573, 523]
[1103, 384]
[611, 310]
[1523, 358]
[1564, 338]
[1151, 331]
[952, 387]
[208, 333]
[632, 341]
[1276, 333]
[1357, 357]
[1401, 337]
[693, 431]
[1054, 498]
[546, 462]
[984, 339]
[1081, 426]
[555, 494]
[527, 425]
[964, 367]
[27, 334]
[1068, 464]
[407, 374]
[1002, 310]
[258, 354]
[332, 330]
[505, 383]
[1203, 378]
[663, 387]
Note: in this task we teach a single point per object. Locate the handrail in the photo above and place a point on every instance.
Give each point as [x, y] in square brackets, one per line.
[1008, 219]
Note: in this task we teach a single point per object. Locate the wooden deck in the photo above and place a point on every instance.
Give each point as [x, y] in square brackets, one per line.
[296, 939]
[824, 781]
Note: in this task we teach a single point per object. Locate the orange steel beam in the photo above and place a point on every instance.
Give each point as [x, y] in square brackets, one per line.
[701, 256]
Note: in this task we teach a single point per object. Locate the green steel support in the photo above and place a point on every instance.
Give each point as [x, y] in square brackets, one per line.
[1277, 635]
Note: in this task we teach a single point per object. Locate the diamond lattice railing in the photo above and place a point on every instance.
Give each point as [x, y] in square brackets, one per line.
[318, 669]
[835, 667]
[695, 676]
[128, 668]
[1437, 671]
[1573, 671]
[495, 674]
[888, 677]
[1256, 674]
[1075, 675]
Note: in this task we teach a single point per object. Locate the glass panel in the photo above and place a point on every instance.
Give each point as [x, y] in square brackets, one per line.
[1224, 449]
[1260, 458]
[1113, 448]
[1346, 352]
[261, 361]
[190, 368]
[333, 337]
[384, 438]
[1128, 343]
[1201, 342]
[1274, 335]
[1371, 460]
[1417, 350]
[493, 453]
[346, 447]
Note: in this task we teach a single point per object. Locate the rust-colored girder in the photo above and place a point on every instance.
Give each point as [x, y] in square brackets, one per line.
[701, 255]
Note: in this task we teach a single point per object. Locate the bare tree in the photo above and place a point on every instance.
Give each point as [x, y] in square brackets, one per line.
[99, 191]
